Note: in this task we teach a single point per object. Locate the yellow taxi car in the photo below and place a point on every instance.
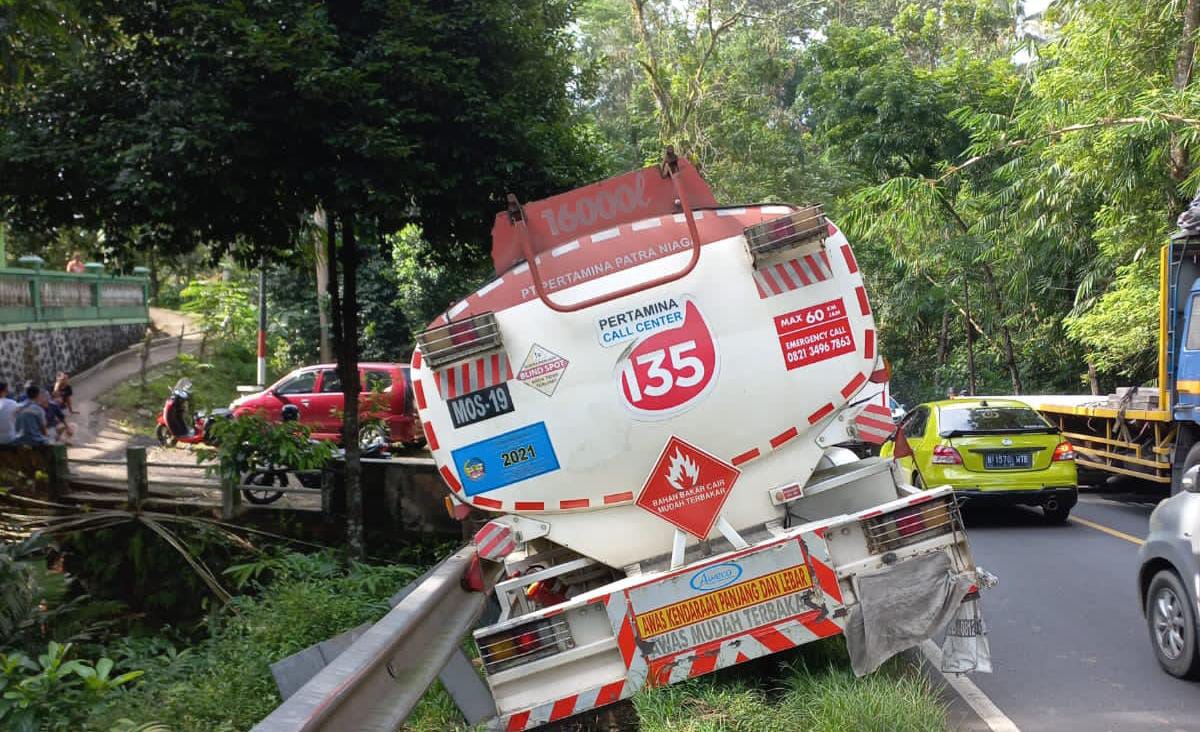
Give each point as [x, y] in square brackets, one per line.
[989, 451]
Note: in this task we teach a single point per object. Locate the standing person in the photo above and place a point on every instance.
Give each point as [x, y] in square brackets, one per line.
[63, 391]
[31, 418]
[56, 420]
[8, 416]
[951, 393]
[75, 264]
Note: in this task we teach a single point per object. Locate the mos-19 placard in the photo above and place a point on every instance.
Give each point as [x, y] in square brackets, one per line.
[480, 405]
[505, 459]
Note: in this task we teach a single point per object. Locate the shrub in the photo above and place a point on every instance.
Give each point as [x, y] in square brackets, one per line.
[224, 683]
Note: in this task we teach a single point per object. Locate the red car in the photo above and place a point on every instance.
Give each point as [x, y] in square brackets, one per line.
[317, 392]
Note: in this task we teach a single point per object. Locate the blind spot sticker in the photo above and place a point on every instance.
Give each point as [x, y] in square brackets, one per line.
[542, 370]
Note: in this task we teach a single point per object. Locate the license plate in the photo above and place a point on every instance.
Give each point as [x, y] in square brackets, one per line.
[480, 405]
[1007, 460]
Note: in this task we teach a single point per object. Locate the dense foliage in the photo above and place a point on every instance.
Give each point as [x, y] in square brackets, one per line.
[1007, 179]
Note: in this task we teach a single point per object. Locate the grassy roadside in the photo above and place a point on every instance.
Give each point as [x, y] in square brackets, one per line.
[214, 384]
[811, 688]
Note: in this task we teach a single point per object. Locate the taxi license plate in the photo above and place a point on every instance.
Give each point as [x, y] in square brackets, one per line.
[1007, 460]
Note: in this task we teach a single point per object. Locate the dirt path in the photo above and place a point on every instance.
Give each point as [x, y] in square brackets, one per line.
[96, 436]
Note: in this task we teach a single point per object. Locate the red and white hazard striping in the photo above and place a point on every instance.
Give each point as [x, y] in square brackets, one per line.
[747, 647]
[495, 541]
[822, 568]
[874, 424]
[473, 375]
[617, 607]
[776, 279]
[553, 711]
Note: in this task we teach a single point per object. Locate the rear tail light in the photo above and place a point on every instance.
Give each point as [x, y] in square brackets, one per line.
[946, 455]
[806, 226]
[911, 524]
[459, 339]
[524, 643]
[1064, 451]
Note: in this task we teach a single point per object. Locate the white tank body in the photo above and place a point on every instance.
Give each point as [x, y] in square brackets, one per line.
[568, 420]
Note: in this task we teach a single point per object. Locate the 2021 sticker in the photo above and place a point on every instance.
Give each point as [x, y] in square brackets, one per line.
[505, 459]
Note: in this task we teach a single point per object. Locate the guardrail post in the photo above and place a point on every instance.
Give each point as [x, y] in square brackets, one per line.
[231, 499]
[58, 471]
[137, 477]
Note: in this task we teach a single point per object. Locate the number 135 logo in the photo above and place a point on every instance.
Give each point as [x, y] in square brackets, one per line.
[669, 371]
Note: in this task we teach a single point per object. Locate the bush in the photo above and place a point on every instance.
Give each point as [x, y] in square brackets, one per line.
[54, 693]
[225, 683]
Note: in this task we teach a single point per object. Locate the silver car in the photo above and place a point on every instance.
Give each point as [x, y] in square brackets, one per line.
[1169, 579]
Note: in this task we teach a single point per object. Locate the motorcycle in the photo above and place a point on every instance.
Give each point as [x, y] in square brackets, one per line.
[372, 442]
[175, 425]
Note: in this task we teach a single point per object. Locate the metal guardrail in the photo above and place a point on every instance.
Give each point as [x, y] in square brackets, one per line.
[373, 685]
[29, 296]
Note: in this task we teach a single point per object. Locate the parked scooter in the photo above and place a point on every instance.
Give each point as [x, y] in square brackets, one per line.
[372, 442]
[175, 423]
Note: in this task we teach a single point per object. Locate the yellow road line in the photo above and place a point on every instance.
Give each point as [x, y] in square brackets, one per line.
[1111, 532]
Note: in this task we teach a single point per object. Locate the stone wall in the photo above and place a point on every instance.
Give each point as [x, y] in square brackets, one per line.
[39, 354]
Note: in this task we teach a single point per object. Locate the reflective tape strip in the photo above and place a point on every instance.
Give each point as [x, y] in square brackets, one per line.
[851, 263]
[792, 274]
[473, 375]
[495, 541]
[617, 607]
[874, 424]
[746, 647]
[822, 566]
[864, 305]
[745, 457]
[553, 711]
[483, 502]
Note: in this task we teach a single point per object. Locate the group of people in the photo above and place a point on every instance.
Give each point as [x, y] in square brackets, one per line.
[37, 415]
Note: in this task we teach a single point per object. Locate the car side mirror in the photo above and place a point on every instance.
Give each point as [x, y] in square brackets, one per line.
[1191, 479]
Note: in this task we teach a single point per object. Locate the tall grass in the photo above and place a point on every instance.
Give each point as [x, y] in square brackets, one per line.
[810, 689]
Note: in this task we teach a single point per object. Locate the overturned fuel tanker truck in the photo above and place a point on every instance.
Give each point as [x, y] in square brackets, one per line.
[654, 400]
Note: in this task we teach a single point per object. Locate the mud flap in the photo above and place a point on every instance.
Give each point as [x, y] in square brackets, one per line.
[900, 606]
[966, 648]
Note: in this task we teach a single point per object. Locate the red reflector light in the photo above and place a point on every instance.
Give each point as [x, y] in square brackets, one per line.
[911, 524]
[946, 455]
[1064, 451]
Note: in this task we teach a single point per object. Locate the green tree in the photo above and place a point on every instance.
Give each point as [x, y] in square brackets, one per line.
[232, 123]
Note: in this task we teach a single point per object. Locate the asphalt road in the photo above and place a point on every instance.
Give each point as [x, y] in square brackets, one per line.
[1070, 648]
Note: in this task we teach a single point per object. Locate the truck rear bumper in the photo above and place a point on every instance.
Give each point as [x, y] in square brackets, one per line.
[1066, 496]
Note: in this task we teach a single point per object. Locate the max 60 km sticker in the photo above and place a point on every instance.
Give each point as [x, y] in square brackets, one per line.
[505, 459]
[672, 362]
[814, 334]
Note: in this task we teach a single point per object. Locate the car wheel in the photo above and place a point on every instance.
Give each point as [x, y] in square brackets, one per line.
[917, 482]
[370, 436]
[1193, 458]
[1172, 624]
[1056, 515]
